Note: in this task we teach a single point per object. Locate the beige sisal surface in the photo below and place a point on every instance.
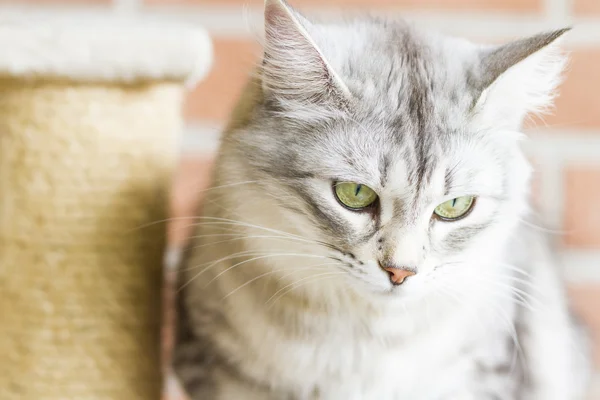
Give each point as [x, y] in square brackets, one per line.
[82, 167]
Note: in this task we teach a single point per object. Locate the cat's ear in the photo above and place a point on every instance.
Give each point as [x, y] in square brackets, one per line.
[518, 78]
[294, 69]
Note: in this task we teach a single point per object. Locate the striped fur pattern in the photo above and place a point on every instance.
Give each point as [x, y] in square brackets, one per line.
[281, 294]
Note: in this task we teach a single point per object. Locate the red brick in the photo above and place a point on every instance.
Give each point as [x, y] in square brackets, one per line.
[490, 5]
[578, 105]
[582, 207]
[586, 7]
[215, 97]
[191, 179]
[56, 2]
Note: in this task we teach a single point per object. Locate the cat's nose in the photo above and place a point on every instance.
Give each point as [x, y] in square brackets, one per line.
[398, 274]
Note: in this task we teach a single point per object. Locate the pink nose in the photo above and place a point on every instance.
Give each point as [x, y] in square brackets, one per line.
[398, 275]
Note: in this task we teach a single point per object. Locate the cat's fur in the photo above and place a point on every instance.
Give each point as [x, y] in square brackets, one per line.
[281, 293]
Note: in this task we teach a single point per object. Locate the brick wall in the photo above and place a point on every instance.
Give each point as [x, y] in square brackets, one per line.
[565, 148]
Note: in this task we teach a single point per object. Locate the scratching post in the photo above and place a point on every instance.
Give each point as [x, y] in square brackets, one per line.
[89, 122]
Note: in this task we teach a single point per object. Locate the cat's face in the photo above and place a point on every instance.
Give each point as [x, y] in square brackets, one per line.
[398, 148]
[404, 213]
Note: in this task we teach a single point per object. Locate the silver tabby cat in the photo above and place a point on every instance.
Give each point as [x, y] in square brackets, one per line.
[368, 236]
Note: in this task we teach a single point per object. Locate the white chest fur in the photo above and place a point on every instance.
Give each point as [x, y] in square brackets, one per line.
[392, 356]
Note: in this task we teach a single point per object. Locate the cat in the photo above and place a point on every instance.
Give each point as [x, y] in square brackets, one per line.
[368, 233]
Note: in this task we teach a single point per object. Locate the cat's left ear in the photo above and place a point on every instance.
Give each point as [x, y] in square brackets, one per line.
[294, 69]
[516, 79]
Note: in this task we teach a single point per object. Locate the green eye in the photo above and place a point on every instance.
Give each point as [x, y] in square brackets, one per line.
[455, 209]
[354, 195]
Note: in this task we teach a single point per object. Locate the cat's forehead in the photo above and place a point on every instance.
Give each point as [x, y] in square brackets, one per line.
[377, 152]
[390, 66]
[383, 154]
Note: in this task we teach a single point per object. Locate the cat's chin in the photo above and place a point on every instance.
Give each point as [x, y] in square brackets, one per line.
[388, 291]
[393, 298]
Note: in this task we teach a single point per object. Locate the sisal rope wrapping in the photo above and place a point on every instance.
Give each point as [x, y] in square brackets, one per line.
[82, 168]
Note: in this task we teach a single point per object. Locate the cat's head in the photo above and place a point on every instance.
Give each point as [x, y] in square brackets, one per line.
[397, 147]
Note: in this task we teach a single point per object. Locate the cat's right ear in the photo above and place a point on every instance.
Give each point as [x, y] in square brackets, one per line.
[294, 69]
[517, 78]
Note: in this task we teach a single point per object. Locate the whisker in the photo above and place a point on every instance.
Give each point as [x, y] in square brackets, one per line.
[242, 237]
[491, 263]
[228, 257]
[274, 297]
[514, 297]
[523, 295]
[282, 233]
[293, 272]
[161, 221]
[511, 330]
[544, 229]
[227, 221]
[317, 267]
[260, 258]
[517, 295]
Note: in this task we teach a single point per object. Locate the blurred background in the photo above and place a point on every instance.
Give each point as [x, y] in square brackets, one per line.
[564, 147]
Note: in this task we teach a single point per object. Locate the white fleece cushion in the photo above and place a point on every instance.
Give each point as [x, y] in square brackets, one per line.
[101, 48]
